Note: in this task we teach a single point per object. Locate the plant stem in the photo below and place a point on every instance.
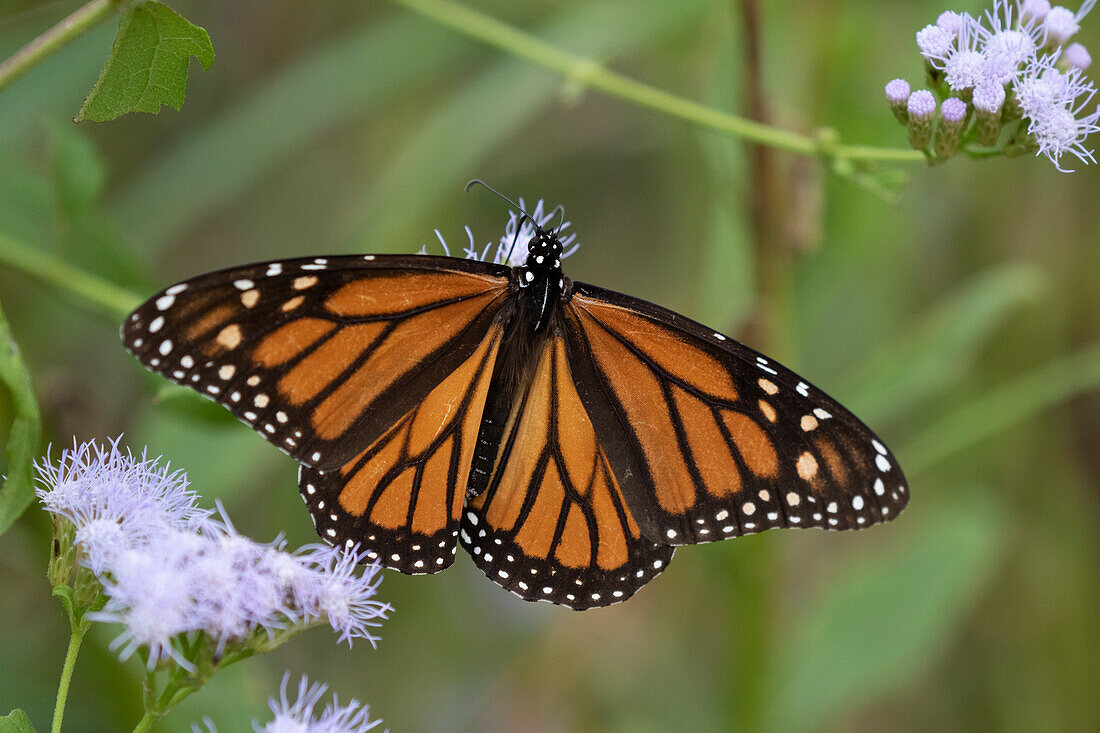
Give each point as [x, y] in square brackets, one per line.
[79, 628]
[591, 74]
[147, 721]
[53, 271]
[83, 20]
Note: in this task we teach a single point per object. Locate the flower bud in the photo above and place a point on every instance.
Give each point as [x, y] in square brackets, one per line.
[952, 121]
[897, 94]
[921, 108]
[989, 100]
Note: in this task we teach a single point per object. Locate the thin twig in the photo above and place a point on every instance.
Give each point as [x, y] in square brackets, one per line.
[84, 19]
[588, 73]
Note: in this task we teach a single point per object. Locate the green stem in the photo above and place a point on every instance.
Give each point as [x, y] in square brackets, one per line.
[587, 72]
[79, 628]
[83, 20]
[53, 271]
[147, 721]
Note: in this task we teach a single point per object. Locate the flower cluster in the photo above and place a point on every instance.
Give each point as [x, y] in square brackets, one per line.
[298, 716]
[511, 248]
[1011, 73]
[172, 571]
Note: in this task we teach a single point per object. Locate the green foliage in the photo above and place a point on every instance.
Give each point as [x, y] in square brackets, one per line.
[148, 64]
[16, 722]
[17, 488]
[844, 649]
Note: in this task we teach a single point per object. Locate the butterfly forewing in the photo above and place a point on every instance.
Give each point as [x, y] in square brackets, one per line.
[320, 356]
[712, 440]
[400, 499]
[552, 524]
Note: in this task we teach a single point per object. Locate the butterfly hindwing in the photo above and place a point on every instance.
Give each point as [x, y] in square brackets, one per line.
[320, 356]
[552, 524]
[712, 440]
[400, 499]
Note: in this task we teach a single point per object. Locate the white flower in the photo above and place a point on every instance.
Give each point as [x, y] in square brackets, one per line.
[989, 97]
[1077, 55]
[897, 91]
[1054, 103]
[935, 44]
[1060, 24]
[950, 21]
[298, 716]
[964, 68]
[1035, 9]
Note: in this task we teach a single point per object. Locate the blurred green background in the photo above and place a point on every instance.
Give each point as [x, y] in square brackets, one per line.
[961, 322]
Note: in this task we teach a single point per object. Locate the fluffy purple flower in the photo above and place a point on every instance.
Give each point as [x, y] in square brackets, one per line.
[115, 500]
[897, 94]
[935, 44]
[297, 716]
[336, 592]
[1077, 55]
[950, 21]
[1035, 9]
[965, 67]
[149, 594]
[168, 569]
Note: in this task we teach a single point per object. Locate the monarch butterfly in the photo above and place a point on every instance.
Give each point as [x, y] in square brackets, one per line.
[567, 436]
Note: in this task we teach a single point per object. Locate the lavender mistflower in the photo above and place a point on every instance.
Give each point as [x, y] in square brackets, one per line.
[952, 119]
[1009, 43]
[989, 100]
[1077, 55]
[935, 44]
[1060, 25]
[950, 21]
[897, 94]
[1013, 63]
[149, 593]
[346, 600]
[1035, 9]
[965, 67]
[298, 716]
[115, 500]
[168, 569]
[921, 109]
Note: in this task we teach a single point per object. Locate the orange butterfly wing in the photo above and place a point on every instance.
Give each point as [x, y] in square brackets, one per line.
[320, 356]
[712, 440]
[401, 498]
[552, 524]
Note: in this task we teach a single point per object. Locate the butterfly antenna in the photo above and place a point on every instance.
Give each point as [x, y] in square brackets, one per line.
[478, 182]
[519, 224]
[560, 211]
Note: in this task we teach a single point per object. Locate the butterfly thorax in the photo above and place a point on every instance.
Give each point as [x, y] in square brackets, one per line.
[540, 276]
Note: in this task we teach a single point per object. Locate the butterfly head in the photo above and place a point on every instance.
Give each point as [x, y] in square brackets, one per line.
[544, 252]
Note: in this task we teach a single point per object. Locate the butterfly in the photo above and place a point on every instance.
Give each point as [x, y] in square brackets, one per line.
[567, 436]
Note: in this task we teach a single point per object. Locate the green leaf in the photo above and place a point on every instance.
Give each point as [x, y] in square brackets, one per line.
[879, 624]
[17, 490]
[16, 722]
[148, 64]
[939, 349]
